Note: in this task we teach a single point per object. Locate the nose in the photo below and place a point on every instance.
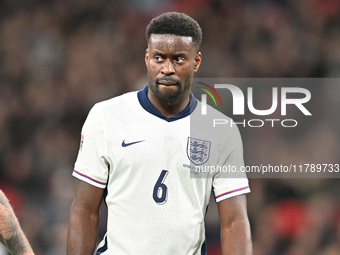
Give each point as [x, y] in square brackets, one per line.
[167, 68]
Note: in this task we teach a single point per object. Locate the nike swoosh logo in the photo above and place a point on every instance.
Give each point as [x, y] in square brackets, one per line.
[128, 144]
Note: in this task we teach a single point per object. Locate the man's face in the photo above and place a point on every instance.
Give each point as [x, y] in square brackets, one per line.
[171, 61]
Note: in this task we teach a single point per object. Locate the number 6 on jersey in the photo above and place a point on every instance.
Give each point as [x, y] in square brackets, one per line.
[160, 190]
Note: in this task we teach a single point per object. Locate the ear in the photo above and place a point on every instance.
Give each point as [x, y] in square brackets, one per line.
[146, 56]
[197, 62]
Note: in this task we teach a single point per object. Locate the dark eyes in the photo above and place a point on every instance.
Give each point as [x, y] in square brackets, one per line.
[158, 58]
[180, 59]
[176, 59]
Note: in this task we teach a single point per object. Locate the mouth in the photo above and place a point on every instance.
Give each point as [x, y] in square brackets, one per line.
[167, 83]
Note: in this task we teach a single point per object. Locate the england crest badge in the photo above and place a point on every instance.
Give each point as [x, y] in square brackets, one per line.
[198, 151]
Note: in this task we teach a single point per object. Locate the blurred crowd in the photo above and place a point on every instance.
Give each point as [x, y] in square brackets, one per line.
[57, 58]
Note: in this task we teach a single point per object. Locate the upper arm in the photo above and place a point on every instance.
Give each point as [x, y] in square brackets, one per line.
[235, 228]
[84, 218]
[87, 197]
[232, 209]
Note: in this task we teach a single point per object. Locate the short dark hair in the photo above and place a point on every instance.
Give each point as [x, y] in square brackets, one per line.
[175, 23]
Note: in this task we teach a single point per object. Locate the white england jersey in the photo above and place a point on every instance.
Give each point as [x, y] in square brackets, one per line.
[147, 162]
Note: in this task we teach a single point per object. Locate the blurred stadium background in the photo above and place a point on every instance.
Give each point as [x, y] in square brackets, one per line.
[57, 58]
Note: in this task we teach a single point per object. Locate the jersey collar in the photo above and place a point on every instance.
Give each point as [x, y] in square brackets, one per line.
[146, 104]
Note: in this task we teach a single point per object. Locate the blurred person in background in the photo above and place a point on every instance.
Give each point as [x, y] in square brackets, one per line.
[11, 234]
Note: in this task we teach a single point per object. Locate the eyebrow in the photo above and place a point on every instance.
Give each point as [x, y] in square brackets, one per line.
[181, 54]
[176, 55]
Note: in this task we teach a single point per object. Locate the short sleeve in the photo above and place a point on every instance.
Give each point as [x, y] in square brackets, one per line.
[91, 165]
[231, 181]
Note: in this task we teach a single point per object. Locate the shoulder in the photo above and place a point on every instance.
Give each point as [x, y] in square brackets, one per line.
[109, 110]
[220, 126]
[115, 106]
[211, 118]
[121, 101]
[211, 112]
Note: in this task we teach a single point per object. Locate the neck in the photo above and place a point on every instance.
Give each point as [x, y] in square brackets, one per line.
[169, 108]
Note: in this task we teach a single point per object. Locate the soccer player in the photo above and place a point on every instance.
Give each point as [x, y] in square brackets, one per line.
[11, 234]
[139, 152]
